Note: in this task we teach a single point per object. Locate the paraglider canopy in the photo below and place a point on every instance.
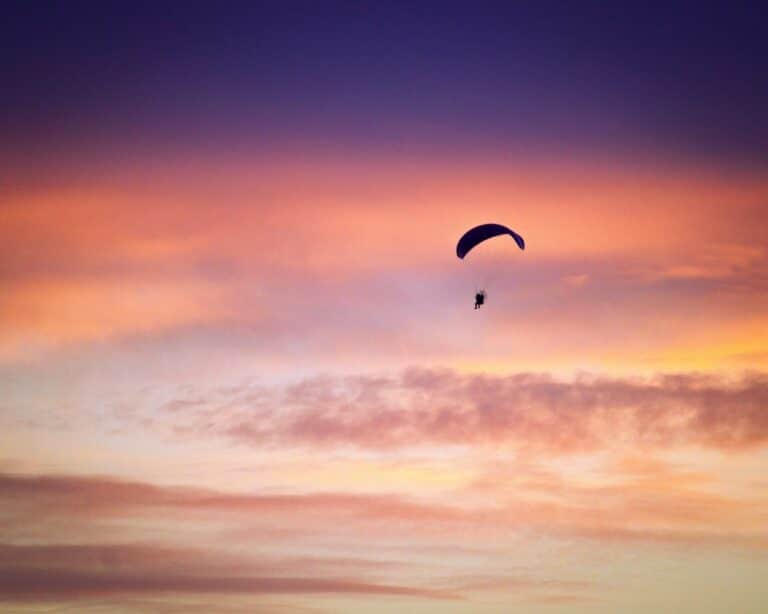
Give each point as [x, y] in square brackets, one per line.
[481, 233]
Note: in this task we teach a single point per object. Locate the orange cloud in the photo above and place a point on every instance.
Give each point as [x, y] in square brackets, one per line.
[43, 314]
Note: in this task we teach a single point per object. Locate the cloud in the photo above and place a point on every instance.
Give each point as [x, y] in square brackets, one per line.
[79, 539]
[107, 497]
[729, 263]
[43, 584]
[626, 510]
[576, 280]
[76, 571]
[43, 315]
[533, 411]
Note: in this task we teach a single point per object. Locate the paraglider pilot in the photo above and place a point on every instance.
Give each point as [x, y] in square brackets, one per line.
[479, 299]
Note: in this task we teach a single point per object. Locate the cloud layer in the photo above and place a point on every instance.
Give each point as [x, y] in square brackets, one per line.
[71, 538]
[532, 411]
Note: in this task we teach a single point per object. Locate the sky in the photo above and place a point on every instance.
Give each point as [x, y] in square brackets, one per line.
[240, 370]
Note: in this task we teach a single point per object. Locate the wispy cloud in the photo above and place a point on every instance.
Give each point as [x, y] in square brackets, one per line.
[217, 543]
[424, 407]
[45, 584]
[625, 511]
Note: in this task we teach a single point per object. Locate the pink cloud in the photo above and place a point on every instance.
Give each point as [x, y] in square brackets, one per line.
[39, 585]
[403, 538]
[628, 510]
[425, 407]
[76, 571]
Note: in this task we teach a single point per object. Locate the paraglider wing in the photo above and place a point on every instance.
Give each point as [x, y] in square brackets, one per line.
[478, 234]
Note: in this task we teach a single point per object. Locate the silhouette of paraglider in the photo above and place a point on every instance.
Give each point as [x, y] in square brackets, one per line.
[475, 236]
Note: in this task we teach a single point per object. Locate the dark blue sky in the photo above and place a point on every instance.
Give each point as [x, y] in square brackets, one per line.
[683, 79]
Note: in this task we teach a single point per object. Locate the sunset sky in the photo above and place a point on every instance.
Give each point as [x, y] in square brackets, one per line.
[240, 370]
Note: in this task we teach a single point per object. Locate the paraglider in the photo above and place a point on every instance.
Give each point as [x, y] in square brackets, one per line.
[478, 234]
